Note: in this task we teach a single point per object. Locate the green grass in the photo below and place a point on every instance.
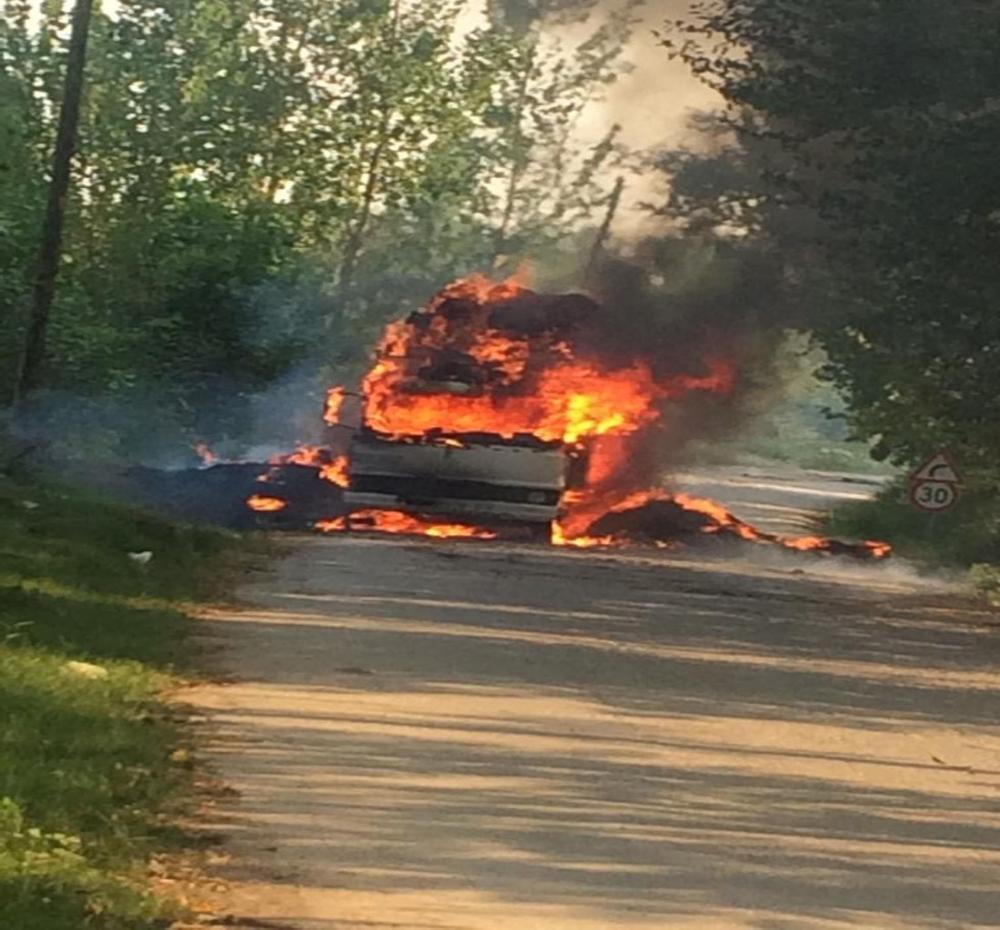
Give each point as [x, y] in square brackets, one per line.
[962, 537]
[88, 789]
[986, 579]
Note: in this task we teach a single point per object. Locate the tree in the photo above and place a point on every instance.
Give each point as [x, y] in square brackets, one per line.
[878, 119]
[25, 148]
[50, 251]
[552, 179]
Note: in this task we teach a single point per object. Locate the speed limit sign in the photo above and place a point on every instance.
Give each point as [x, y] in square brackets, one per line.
[934, 495]
[934, 485]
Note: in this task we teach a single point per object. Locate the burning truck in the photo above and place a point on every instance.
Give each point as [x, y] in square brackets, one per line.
[495, 410]
[457, 421]
[492, 406]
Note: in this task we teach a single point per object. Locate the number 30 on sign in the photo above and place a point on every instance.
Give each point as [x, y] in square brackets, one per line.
[934, 495]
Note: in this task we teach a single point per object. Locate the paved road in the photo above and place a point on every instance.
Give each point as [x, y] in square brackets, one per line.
[482, 737]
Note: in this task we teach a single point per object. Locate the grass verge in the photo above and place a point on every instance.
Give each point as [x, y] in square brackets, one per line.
[968, 536]
[91, 782]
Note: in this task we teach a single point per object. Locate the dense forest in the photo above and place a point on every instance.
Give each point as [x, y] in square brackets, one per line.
[260, 185]
[858, 141]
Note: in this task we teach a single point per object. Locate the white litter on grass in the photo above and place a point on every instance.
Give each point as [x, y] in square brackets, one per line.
[30, 505]
[86, 669]
[141, 558]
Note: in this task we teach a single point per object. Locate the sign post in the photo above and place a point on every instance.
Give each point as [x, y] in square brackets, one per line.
[934, 486]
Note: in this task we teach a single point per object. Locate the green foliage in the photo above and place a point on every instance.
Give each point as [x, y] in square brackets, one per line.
[787, 415]
[20, 190]
[240, 163]
[793, 430]
[801, 419]
[986, 579]
[87, 785]
[857, 143]
[85, 771]
[859, 140]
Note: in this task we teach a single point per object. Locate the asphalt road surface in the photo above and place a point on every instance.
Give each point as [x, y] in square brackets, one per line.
[472, 736]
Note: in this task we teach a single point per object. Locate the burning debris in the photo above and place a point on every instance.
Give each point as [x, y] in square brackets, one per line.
[392, 521]
[261, 503]
[665, 519]
[332, 468]
[496, 407]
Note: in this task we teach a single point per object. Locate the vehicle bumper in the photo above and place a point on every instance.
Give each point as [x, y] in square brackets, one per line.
[475, 511]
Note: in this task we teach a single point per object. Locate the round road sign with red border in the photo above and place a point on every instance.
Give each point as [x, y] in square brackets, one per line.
[934, 496]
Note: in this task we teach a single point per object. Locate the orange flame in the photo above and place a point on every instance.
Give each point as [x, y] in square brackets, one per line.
[572, 401]
[392, 521]
[723, 521]
[305, 455]
[451, 369]
[335, 398]
[586, 506]
[263, 504]
[806, 543]
[337, 471]
[334, 470]
[560, 538]
[566, 400]
[722, 517]
[879, 550]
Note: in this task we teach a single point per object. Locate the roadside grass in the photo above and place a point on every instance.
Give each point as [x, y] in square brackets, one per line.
[968, 536]
[91, 782]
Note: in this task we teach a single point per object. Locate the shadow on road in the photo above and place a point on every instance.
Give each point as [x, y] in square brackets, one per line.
[520, 739]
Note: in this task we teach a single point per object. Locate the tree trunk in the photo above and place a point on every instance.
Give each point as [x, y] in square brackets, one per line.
[597, 249]
[50, 251]
[356, 238]
[516, 162]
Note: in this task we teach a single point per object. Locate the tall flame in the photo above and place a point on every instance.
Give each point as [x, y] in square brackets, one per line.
[337, 471]
[530, 383]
